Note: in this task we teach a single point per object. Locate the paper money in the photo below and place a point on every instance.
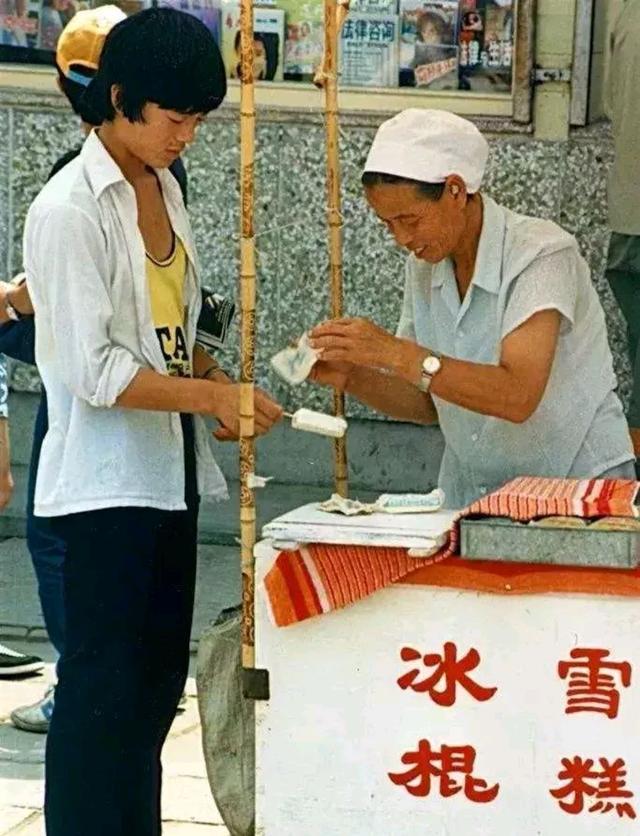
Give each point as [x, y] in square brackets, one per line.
[294, 363]
[388, 503]
[348, 507]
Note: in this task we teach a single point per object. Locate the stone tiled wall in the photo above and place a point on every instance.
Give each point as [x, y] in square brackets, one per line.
[563, 181]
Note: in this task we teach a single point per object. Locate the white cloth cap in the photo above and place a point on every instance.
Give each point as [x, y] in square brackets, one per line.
[429, 146]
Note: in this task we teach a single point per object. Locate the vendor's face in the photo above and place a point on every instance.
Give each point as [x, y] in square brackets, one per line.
[430, 229]
[161, 138]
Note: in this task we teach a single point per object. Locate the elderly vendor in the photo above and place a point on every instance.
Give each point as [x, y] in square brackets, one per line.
[502, 338]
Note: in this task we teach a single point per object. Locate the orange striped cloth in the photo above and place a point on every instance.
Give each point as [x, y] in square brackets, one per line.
[317, 578]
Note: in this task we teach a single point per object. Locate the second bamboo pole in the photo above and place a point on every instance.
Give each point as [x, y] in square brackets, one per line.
[247, 331]
[334, 16]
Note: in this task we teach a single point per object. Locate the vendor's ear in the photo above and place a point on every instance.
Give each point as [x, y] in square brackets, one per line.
[455, 188]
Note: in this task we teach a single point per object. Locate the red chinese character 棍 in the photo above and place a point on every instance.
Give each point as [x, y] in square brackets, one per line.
[425, 765]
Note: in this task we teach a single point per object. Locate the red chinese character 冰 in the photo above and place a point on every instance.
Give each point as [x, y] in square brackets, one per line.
[427, 764]
[590, 687]
[448, 668]
[605, 785]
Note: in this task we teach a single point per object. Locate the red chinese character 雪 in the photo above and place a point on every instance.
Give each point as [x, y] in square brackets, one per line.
[591, 688]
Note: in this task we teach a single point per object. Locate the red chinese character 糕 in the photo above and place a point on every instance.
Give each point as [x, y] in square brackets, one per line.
[607, 786]
[426, 764]
[590, 687]
[450, 669]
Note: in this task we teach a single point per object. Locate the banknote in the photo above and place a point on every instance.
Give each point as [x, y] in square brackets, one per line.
[294, 363]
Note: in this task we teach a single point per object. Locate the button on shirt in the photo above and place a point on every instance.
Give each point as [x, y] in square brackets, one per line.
[523, 266]
[85, 261]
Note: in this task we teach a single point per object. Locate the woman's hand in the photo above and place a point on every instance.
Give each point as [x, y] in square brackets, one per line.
[267, 413]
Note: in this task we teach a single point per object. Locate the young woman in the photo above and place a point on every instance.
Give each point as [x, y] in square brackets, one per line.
[114, 279]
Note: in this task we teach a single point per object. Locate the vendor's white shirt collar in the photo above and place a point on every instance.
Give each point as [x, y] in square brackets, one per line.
[488, 268]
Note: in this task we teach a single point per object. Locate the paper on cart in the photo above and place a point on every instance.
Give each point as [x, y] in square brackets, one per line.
[388, 503]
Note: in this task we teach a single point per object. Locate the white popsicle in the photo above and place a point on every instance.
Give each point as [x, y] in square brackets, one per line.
[318, 422]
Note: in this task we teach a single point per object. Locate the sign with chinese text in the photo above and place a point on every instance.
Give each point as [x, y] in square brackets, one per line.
[432, 711]
[369, 51]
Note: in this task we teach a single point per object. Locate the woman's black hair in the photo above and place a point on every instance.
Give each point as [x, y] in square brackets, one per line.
[432, 191]
[162, 56]
[74, 91]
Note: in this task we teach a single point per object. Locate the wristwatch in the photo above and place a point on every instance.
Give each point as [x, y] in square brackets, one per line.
[12, 312]
[431, 365]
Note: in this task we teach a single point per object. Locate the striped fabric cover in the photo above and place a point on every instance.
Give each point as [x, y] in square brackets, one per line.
[316, 579]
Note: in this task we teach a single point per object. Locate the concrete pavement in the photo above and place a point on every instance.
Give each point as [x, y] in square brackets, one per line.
[187, 806]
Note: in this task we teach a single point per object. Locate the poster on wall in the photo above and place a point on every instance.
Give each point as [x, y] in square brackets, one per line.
[304, 38]
[429, 44]
[19, 23]
[373, 7]
[486, 45]
[369, 51]
[268, 42]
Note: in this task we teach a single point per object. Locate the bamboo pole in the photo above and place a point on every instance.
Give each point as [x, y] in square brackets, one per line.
[335, 14]
[247, 330]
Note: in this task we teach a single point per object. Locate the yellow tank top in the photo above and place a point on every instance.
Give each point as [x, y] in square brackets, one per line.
[166, 291]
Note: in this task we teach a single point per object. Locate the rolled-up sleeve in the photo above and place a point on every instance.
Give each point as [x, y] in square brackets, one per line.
[549, 283]
[69, 273]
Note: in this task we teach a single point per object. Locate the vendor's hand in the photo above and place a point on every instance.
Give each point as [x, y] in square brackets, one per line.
[359, 342]
[331, 374]
[267, 413]
[6, 488]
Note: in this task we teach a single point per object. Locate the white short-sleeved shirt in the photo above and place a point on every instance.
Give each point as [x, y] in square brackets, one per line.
[524, 265]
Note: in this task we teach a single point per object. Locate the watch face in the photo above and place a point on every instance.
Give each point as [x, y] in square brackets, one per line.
[431, 365]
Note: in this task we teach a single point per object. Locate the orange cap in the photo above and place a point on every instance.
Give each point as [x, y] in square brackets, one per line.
[82, 39]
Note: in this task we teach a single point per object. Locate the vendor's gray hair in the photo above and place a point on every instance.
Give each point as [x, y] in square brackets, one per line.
[432, 191]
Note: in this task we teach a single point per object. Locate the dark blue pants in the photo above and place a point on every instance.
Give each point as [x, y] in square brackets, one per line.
[129, 581]
[47, 548]
[17, 340]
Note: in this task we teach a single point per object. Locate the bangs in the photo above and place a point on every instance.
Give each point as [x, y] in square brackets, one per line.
[162, 56]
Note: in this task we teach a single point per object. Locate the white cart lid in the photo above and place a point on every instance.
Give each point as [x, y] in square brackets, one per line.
[309, 524]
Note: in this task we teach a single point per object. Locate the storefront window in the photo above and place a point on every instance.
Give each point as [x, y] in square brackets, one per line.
[433, 45]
